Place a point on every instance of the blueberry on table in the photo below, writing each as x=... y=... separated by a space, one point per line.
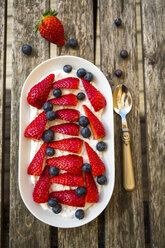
x=86 y=167
x=27 y=49
x=118 y=22
x=83 y=121
x=57 y=93
x=73 y=43
x=118 y=73
x=81 y=72
x=57 y=209
x=52 y=202
x=85 y=132
x=51 y=115
x=79 y=214
x=102 y=179
x=101 y=146
x=48 y=136
x=53 y=171
x=67 y=68
x=88 y=76
x=80 y=191
x=50 y=151
x=124 y=54
x=48 y=106
x=80 y=96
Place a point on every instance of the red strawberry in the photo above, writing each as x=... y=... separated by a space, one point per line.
x=70 y=145
x=68 y=197
x=41 y=189
x=68 y=180
x=96 y=125
x=38 y=94
x=69 y=99
x=35 y=167
x=71 y=163
x=67 y=83
x=92 y=194
x=71 y=115
x=66 y=128
x=97 y=164
x=95 y=97
x=51 y=28
x=35 y=129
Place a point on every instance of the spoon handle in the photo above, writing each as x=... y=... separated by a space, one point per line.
x=128 y=173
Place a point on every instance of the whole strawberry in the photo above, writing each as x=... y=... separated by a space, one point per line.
x=51 y=28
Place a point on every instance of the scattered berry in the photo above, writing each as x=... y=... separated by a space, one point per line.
x=101 y=146
x=49 y=151
x=67 y=68
x=47 y=106
x=81 y=72
x=27 y=49
x=83 y=121
x=88 y=76
x=86 y=167
x=48 y=136
x=80 y=96
x=51 y=115
x=54 y=171
x=118 y=22
x=73 y=43
x=57 y=209
x=57 y=93
x=124 y=54
x=52 y=202
x=81 y=191
x=79 y=214
x=118 y=73
x=85 y=132
x=102 y=179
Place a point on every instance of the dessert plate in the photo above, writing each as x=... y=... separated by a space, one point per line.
x=25 y=184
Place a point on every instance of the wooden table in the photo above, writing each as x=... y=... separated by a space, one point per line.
x=132 y=219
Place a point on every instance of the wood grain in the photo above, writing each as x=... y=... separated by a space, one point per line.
x=77 y=18
x=153 y=27
x=124 y=214
x=25 y=230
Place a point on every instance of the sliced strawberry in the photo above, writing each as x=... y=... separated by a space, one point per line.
x=69 y=100
x=92 y=194
x=35 y=167
x=96 y=125
x=95 y=97
x=66 y=128
x=67 y=83
x=35 y=129
x=68 y=180
x=69 y=198
x=71 y=163
x=71 y=115
x=70 y=145
x=38 y=94
x=41 y=189
x=97 y=164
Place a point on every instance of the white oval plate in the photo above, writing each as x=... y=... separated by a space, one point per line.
x=25 y=185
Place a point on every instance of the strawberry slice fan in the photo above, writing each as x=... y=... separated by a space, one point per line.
x=67 y=83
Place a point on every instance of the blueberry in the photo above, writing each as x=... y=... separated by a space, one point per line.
x=88 y=76
x=86 y=167
x=49 y=151
x=53 y=171
x=67 y=68
x=118 y=22
x=85 y=132
x=57 y=209
x=52 y=202
x=27 y=49
x=102 y=179
x=124 y=54
x=101 y=146
x=47 y=106
x=81 y=72
x=57 y=93
x=80 y=96
x=51 y=115
x=79 y=214
x=80 y=191
x=83 y=121
x=48 y=136
x=73 y=43
x=118 y=73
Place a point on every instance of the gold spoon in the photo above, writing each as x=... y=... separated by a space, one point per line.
x=122 y=104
